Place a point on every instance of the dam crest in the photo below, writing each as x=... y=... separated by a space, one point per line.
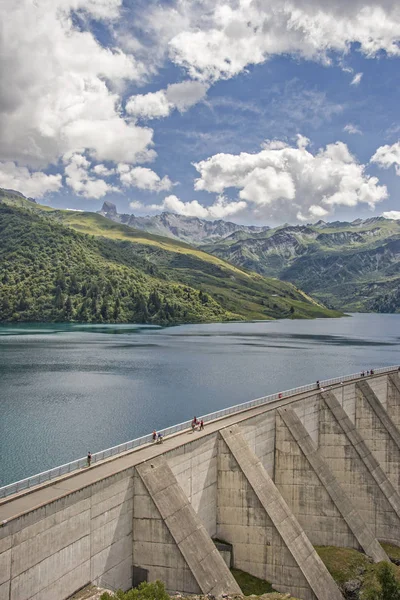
x=272 y=479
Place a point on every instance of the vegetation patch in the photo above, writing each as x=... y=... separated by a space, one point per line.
x=251 y=585
x=50 y=272
x=156 y=591
x=358 y=577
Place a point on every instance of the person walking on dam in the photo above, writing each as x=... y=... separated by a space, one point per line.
x=89 y=459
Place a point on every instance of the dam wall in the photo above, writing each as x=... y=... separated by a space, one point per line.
x=321 y=467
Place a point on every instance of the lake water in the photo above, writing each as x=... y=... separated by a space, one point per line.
x=67 y=389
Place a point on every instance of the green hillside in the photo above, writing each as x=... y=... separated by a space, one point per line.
x=349 y=266
x=71 y=266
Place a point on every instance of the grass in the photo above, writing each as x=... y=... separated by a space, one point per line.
x=391 y=550
x=251 y=585
x=94 y=224
x=345 y=564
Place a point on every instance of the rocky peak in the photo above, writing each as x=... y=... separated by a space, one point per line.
x=109 y=210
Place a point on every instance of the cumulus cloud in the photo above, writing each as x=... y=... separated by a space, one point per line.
x=214 y=39
x=387 y=156
x=78 y=178
x=356 y=79
x=102 y=171
x=220 y=209
x=56 y=101
x=392 y=214
x=159 y=104
x=31 y=184
x=352 y=129
x=143 y=178
x=283 y=182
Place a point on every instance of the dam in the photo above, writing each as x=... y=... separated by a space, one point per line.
x=270 y=479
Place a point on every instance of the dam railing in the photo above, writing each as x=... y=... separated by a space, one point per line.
x=80 y=463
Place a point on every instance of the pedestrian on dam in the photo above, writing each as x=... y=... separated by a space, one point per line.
x=89 y=459
x=154 y=435
x=201 y=425
x=318 y=384
x=194 y=423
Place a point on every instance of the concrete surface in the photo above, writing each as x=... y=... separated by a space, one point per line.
x=326 y=469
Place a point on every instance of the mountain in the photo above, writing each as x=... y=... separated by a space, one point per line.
x=59 y=265
x=349 y=266
x=188 y=229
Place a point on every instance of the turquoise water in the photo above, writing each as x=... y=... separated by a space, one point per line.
x=67 y=389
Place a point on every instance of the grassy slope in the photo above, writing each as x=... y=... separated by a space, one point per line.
x=233 y=292
x=345 y=564
x=51 y=273
x=351 y=274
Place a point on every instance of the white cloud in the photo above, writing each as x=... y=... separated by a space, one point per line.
x=282 y=182
x=77 y=177
x=159 y=104
x=102 y=171
x=356 y=79
x=214 y=39
x=220 y=209
x=392 y=214
x=136 y=205
x=31 y=184
x=352 y=129
x=143 y=178
x=57 y=102
x=387 y=156
x=148 y=106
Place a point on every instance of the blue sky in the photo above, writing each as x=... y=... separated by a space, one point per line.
x=238 y=109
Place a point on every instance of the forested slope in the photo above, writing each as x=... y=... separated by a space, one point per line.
x=51 y=272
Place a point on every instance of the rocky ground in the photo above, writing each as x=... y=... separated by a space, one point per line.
x=93 y=593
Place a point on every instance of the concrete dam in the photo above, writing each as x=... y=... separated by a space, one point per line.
x=311 y=468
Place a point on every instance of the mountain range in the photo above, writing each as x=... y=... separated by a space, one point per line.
x=352 y=266
x=188 y=229
x=61 y=265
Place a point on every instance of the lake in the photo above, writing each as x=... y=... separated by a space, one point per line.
x=67 y=389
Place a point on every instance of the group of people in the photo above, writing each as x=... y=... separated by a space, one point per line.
x=197 y=424
x=363 y=373
x=157 y=437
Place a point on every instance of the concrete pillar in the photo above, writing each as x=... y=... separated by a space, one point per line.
x=177 y=530
x=315 y=496
x=346 y=453
x=267 y=539
x=393 y=398
x=378 y=431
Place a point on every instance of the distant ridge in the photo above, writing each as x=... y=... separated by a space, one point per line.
x=188 y=229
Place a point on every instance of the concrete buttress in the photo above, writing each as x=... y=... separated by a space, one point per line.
x=267 y=539
x=186 y=533
x=393 y=398
x=378 y=431
x=343 y=448
x=338 y=523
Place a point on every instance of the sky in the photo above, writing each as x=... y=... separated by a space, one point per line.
x=254 y=111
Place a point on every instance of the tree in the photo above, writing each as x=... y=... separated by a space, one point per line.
x=68 y=307
x=116 y=309
x=390 y=587
x=104 y=310
x=145 y=591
